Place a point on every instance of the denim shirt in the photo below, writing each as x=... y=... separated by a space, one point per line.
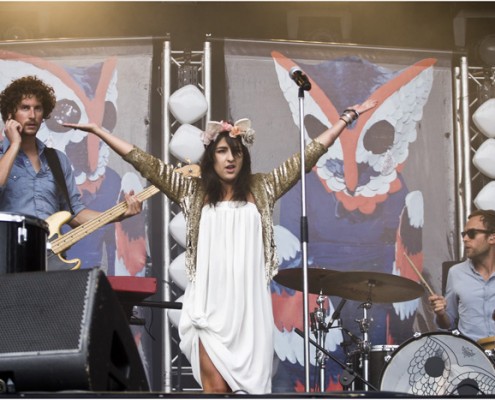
x=36 y=194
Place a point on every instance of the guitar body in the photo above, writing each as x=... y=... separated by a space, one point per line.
x=55 y=262
x=59 y=243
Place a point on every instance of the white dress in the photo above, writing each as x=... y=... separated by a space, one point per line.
x=228 y=306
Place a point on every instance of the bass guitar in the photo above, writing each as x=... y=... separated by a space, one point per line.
x=58 y=243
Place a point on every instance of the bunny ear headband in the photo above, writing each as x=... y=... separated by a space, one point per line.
x=240 y=128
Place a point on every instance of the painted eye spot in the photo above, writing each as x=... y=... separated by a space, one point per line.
x=379 y=138
x=65 y=111
x=109 y=117
x=313 y=126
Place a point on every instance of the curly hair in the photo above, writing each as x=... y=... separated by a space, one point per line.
x=28 y=86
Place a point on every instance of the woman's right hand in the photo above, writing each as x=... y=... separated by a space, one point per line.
x=119 y=145
x=88 y=127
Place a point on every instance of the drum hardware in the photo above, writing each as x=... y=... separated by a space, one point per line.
x=349 y=374
x=364 y=286
x=320 y=328
x=22 y=233
x=364 y=326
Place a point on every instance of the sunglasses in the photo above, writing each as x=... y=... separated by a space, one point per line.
x=471 y=233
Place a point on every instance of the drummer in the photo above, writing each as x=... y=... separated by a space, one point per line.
x=27 y=184
x=469 y=302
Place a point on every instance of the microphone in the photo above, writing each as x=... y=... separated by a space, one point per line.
x=300 y=78
x=336 y=313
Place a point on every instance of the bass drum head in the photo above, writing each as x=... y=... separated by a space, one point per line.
x=439 y=364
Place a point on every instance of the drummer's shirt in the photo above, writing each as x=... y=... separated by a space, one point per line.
x=470 y=301
x=29 y=193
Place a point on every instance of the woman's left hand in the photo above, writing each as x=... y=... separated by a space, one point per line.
x=365 y=106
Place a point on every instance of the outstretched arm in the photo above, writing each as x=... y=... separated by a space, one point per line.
x=120 y=146
x=330 y=135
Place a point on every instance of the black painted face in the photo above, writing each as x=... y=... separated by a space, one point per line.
x=68 y=111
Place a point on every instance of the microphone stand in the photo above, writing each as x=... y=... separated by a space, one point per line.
x=304 y=240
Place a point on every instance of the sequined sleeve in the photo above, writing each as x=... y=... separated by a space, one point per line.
x=282 y=178
x=162 y=175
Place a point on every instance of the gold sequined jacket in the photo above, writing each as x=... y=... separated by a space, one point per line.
x=189 y=194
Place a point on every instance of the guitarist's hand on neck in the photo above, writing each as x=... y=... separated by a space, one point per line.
x=134 y=206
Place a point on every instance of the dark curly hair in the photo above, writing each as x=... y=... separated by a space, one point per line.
x=209 y=178
x=27 y=86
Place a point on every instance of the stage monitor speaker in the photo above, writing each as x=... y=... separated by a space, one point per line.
x=64 y=331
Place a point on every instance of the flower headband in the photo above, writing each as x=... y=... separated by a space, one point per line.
x=240 y=128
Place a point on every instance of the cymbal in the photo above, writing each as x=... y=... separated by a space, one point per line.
x=376 y=287
x=293 y=278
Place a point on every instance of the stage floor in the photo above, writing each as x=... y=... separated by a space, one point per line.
x=199 y=396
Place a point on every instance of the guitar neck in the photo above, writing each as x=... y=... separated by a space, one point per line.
x=65 y=241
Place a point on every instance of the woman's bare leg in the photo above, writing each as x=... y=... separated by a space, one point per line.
x=210 y=377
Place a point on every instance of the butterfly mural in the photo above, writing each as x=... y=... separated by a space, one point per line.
x=362 y=216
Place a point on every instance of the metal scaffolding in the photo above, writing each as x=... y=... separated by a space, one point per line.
x=179 y=68
x=473 y=85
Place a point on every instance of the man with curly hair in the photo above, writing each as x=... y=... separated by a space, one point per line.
x=27 y=183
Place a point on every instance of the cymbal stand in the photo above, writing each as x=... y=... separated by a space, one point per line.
x=364 y=326
x=349 y=373
x=320 y=329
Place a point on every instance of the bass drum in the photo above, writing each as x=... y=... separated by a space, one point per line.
x=23 y=242
x=439 y=364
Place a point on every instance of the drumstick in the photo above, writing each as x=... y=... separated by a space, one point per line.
x=419 y=275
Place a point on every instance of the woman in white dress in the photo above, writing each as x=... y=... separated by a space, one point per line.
x=226 y=324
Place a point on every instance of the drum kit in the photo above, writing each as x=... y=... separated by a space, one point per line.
x=428 y=364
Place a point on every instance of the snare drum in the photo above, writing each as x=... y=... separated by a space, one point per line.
x=439 y=364
x=23 y=241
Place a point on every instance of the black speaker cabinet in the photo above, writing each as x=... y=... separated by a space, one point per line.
x=63 y=331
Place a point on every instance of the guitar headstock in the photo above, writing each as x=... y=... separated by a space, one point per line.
x=189 y=170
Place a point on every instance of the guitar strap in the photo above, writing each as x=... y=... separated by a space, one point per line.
x=54 y=163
